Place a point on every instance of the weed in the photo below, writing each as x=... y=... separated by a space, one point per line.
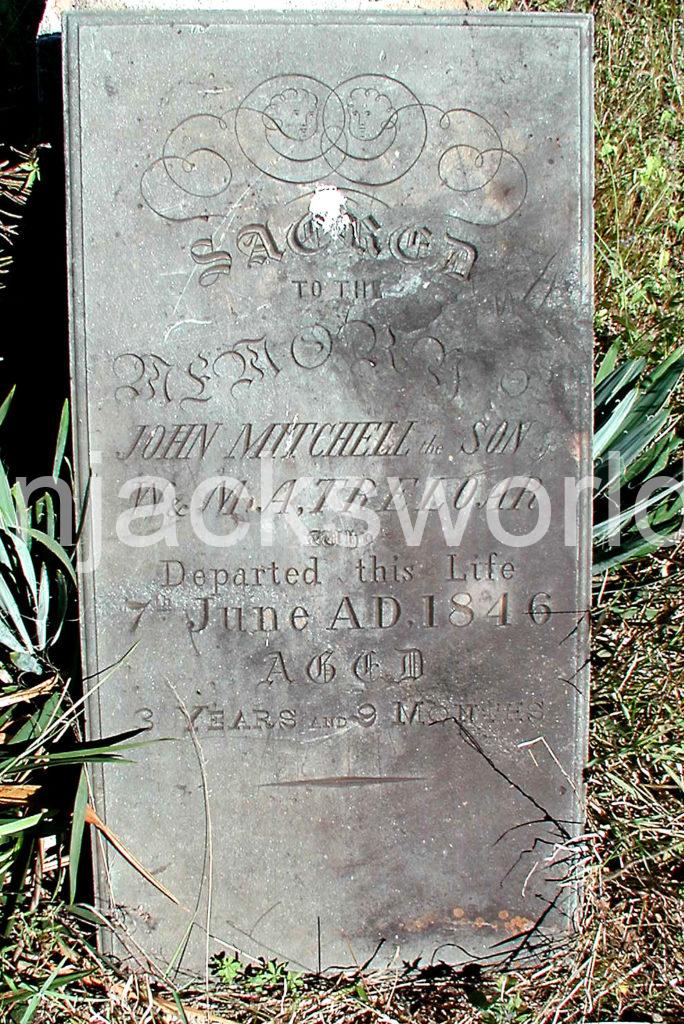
x=264 y=976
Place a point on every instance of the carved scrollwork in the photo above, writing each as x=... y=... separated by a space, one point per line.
x=368 y=130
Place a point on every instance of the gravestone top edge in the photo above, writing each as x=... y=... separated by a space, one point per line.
x=302 y=15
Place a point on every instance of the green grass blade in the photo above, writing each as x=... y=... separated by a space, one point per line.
x=59 y=606
x=62 y=436
x=8 y=513
x=42 y=993
x=4 y=408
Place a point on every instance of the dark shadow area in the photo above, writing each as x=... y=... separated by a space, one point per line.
x=33 y=302
x=34 y=344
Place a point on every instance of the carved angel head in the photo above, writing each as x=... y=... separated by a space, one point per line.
x=294 y=112
x=370 y=113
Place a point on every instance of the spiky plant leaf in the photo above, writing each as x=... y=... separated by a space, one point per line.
x=635 y=442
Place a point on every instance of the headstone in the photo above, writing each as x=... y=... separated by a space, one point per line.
x=331 y=307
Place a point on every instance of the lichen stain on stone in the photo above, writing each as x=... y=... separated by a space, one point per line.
x=577 y=444
x=422 y=924
x=505 y=922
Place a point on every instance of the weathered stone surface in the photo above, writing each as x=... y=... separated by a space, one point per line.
x=328 y=272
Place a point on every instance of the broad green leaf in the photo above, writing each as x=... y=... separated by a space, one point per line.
x=9 y=606
x=641 y=434
x=65 y=759
x=673 y=363
x=45 y=510
x=603 y=531
x=42 y=608
x=25 y=561
x=607 y=434
x=56 y=548
x=23 y=513
x=655 y=459
x=15 y=825
x=4 y=557
x=111 y=750
x=8 y=639
x=616 y=381
x=628 y=447
x=84 y=913
x=39 y=722
x=77 y=827
x=607 y=363
x=608 y=558
x=26 y=663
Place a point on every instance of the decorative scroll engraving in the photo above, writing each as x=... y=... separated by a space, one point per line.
x=368 y=130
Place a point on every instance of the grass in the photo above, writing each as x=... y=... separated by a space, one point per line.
x=640 y=174
x=627 y=961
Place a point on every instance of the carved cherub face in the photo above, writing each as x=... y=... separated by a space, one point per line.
x=370 y=113
x=295 y=112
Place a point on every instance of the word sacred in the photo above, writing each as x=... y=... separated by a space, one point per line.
x=308 y=236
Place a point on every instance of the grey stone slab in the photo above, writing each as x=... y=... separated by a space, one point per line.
x=331 y=290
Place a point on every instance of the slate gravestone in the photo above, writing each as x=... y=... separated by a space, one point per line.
x=331 y=308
